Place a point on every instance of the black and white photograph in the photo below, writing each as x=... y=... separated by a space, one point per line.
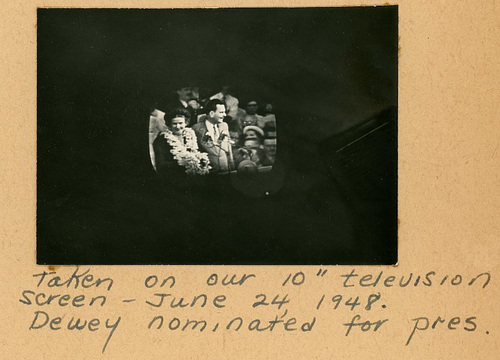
x=249 y=136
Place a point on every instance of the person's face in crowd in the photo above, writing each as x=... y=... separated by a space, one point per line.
x=252 y=144
x=219 y=114
x=178 y=124
x=251 y=134
x=252 y=108
x=268 y=109
x=185 y=94
x=270 y=147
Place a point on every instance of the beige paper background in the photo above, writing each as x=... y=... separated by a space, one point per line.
x=449 y=207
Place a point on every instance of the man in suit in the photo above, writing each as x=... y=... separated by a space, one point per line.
x=185 y=96
x=213 y=137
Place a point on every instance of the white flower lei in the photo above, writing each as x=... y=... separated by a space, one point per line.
x=186 y=152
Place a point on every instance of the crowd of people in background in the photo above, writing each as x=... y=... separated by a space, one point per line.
x=213 y=135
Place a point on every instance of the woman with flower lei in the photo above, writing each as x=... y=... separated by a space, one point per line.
x=176 y=148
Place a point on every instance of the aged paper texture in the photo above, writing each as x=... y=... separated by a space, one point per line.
x=438 y=302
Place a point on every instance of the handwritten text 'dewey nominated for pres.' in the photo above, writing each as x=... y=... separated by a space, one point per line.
x=53 y=292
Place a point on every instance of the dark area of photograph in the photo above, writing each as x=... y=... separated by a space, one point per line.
x=217 y=136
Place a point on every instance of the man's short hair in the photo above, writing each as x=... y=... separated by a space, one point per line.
x=177 y=112
x=212 y=105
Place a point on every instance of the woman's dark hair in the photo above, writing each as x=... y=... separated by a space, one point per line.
x=177 y=112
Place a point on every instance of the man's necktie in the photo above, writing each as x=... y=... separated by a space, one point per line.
x=216 y=133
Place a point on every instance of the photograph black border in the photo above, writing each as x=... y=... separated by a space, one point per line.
x=331 y=198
